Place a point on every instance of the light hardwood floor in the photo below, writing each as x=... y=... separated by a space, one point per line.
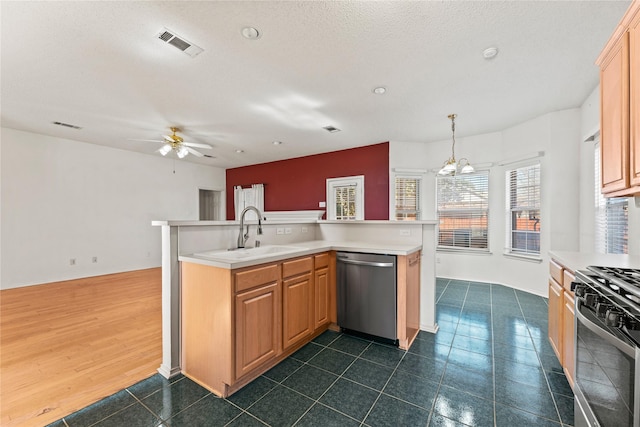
x=65 y=345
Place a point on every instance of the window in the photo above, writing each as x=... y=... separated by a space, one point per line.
x=611 y=222
x=345 y=198
x=407 y=197
x=463 y=211
x=523 y=210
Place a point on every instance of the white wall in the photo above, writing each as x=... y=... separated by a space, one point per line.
x=558 y=135
x=64 y=199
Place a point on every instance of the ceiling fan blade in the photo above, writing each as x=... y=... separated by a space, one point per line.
x=146 y=140
x=168 y=138
x=197 y=145
x=194 y=152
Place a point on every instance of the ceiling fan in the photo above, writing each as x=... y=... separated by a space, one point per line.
x=177 y=143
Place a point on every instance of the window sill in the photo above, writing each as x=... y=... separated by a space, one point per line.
x=522 y=257
x=463 y=251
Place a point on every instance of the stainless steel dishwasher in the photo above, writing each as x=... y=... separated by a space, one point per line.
x=366 y=294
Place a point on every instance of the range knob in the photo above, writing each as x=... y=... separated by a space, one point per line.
x=590 y=299
x=578 y=288
x=601 y=309
x=613 y=318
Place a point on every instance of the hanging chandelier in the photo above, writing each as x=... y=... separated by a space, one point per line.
x=451 y=166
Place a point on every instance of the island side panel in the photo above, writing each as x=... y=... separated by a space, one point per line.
x=207 y=326
x=170 y=303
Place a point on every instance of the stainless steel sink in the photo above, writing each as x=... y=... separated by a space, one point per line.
x=248 y=253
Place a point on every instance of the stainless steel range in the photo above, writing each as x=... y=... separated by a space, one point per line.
x=607 y=377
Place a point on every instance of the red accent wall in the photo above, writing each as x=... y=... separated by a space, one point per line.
x=300 y=183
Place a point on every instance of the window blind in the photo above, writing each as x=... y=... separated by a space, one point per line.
x=611 y=217
x=523 y=210
x=408 y=198
x=463 y=211
x=345 y=197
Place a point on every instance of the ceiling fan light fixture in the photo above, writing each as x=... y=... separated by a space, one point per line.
x=182 y=152
x=451 y=166
x=164 y=150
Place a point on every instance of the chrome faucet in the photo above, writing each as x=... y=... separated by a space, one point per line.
x=242 y=238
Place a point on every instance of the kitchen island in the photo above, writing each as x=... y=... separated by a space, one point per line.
x=247 y=310
x=182 y=239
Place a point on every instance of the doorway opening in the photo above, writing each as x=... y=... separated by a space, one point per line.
x=209 y=204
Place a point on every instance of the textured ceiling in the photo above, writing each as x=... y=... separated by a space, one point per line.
x=99 y=65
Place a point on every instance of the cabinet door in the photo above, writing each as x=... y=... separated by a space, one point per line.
x=634 y=105
x=556 y=303
x=297 y=310
x=568 y=362
x=321 y=297
x=614 y=117
x=257 y=327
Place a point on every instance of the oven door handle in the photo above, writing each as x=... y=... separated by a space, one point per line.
x=611 y=339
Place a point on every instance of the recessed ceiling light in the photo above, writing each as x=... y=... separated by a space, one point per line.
x=250 y=33
x=277 y=142
x=239 y=151
x=490 y=52
x=379 y=90
x=331 y=129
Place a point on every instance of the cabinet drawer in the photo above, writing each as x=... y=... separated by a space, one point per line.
x=321 y=260
x=298 y=266
x=568 y=277
x=556 y=271
x=256 y=277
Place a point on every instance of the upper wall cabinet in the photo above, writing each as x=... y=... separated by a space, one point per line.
x=619 y=65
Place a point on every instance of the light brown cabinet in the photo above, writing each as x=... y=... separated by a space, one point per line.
x=257 y=318
x=556 y=321
x=236 y=324
x=322 y=291
x=561 y=317
x=620 y=108
x=297 y=301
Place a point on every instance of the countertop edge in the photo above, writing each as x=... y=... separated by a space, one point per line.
x=309 y=248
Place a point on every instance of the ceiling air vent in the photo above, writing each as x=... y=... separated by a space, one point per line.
x=171 y=38
x=331 y=129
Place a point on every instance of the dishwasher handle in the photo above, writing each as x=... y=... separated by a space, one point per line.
x=365 y=263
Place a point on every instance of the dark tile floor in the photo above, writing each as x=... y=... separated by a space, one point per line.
x=490 y=364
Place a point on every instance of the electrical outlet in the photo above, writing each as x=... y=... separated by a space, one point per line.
x=94 y=259
x=72 y=261
x=322 y=204
x=287 y=230
x=279 y=230
x=437 y=260
x=405 y=232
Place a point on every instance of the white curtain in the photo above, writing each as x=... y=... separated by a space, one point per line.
x=244 y=197
x=238 y=200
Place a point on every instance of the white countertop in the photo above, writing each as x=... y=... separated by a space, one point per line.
x=190 y=223
x=581 y=260
x=306 y=248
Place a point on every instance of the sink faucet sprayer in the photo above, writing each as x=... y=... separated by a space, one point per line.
x=242 y=238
